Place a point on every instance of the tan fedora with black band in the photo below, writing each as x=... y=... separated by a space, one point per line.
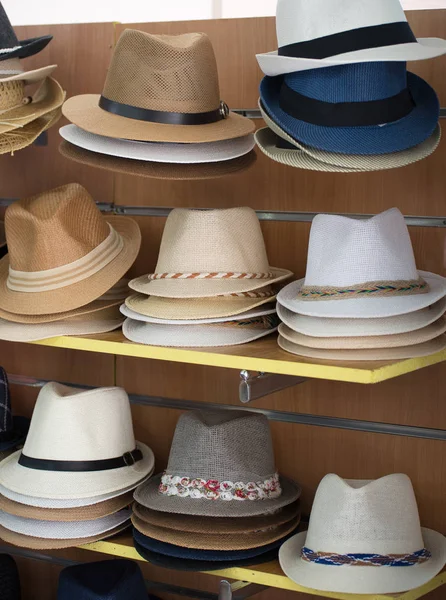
x=160 y=88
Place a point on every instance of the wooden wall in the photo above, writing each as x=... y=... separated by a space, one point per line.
x=303 y=452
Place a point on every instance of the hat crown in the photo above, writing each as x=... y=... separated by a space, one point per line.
x=6 y=422
x=226 y=446
x=228 y=240
x=73 y=424
x=164 y=72
x=345 y=251
x=8 y=38
x=54 y=228
x=365 y=516
x=302 y=21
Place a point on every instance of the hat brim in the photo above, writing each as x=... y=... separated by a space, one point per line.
x=84 y=112
x=420 y=336
x=171 y=172
x=81 y=293
x=328 y=327
x=361 y=580
x=400 y=135
x=347 y=163
x=88 y=309
x=65 y=515
x=19 y=332
x=35 y=543
x=380 y=354
x=272 y=64
x=30 y=77
x=67 y=485
x=17 y=139
x=20 y=431
x=191 y=336
x=364 y=308
x=184 y=564
x=192 y=309
x=26 y=48
x=148 y=495
x=158 y=152
x=204 y=288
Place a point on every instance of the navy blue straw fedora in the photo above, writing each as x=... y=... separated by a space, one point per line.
x=186 y=564
x=364 y=108
x=105 y=580
x=13 y=430
x=10 y=47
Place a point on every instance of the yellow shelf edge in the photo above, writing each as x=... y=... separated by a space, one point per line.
x=239 y=362
x=273 y=580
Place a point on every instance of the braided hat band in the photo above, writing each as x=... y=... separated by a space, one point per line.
x=155 y=276
x=369 y=289
x=366 y=560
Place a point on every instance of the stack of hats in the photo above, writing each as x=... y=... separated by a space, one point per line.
x=221 y=501
x=72 y=482
x=212 y=286
x=160 y=113
x=13 y=429
x=364 y=537
x=363 y=297
x=63 y=271
x=337 y=95
x=23 y=117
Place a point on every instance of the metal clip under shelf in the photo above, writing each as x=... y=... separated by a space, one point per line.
x=257 y=385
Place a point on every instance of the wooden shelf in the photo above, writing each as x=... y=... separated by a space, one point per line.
x=263 y=356
x=270 y=574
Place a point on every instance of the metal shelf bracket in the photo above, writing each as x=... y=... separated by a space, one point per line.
x=239 y=590
x=257 y=385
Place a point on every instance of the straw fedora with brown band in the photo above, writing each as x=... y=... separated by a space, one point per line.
x=63 y=253
x=210 y=253
x=160 y=88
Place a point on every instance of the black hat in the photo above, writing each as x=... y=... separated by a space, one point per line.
x=13 y=430
x=9 y=578
x=10 y=47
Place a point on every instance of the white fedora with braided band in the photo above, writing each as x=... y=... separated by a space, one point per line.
x=361 y=268
x=63 y=253
x=80 y=445
x=318 y=34
x=364 y=537
x=210 y=253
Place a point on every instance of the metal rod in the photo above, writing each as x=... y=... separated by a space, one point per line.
x=426 y=433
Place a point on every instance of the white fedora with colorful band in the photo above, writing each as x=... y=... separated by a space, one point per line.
x=364 y=537
x=318 y=34
x=361 y=268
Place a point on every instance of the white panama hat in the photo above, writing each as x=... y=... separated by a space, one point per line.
x=327 y=327
x=207 y=152
x=318 y=34
x=80 y=444
x=364 y=537
x=361 y=268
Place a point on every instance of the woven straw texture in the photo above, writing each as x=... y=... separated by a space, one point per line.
x=215 y=541
x=11 y=94
x=9 y=578
x=36 y=543
x=222 y=525
x=48 y=97
x=17 y=139
x=416 y=351
x=165 y=73
x=81 y=513
x=360 y=343
x=193 y=308
x=190 y=336
x=326 y=327
x=56 y=228
x=223 y=241
x=173 y=172
x=348 y=162
x=226 y=446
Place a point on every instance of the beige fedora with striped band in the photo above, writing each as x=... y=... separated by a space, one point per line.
x=63 y=253
x=207 y=253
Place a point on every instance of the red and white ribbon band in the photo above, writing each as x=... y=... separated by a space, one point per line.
x=216 y=275
x=66 y=275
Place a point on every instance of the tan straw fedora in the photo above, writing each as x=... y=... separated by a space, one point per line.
x=22 y=137
x=207 y=253
x=364 y=342
x=81 y=513
x=152 y=170
x=215 y=541
x=160 y=88
x=63 y=253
